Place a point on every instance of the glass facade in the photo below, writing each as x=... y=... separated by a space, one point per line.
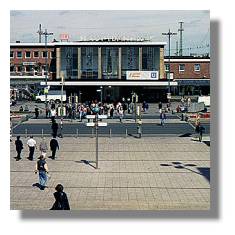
x=109 y=62
x=89 y=62
x=130 y=59
x=104 y=61
x=69 y=62
x=150 y=58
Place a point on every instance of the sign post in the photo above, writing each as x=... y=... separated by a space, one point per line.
x=96 y=124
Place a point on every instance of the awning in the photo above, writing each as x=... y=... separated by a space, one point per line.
x=193 y=82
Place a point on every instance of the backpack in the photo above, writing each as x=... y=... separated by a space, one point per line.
x=41 y=165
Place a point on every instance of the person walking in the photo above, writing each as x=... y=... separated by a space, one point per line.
x=36 y=111
x=54 y=127
x=43 y=147
x=120 y=113
x=32 y=145
x=163 y=118
x=61 y=199
x=54 y=145
x=42 y=169
x=19 y=147
x=53 y=114
x=160 y=107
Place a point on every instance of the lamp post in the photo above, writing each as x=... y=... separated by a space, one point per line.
x=101 y=94
x=169 y=34
x=61 y=104
x=46 y=62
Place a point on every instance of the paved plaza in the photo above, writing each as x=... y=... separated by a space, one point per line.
x=151 y=173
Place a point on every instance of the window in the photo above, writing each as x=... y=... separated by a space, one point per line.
x=19 y=54
x=182 y=67
x=44 y=54
x=197 y=67
x=19 y=69
x=52 y=54
x=12 y=68
x=11 y=54
x=167 y=67
x=27 y=54
x=35 y=54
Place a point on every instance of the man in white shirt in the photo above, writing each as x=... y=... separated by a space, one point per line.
x=32 y=145
x=53 y=114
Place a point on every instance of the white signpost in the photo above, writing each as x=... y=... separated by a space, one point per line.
x=96 y=123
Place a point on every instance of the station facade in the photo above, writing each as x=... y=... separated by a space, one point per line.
x=119 y=68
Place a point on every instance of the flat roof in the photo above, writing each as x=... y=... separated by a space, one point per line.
x=57 y=44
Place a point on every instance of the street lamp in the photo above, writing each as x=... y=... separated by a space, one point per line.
x=46 y=61
x=61 y=104
x=169 y=34
x=100 y=91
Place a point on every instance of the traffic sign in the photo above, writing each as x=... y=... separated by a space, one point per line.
x=102 y=116
x=90 y=124
x=102 y=124
x=90 y=116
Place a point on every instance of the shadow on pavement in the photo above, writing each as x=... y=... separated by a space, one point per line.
x=86 y=163
x=205 y=171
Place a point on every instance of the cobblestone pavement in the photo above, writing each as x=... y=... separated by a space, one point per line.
x=152 y=173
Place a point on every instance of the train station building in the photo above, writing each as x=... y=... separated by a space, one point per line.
x=116 y=67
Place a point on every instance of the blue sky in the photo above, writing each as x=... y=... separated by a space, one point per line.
x=131 y=24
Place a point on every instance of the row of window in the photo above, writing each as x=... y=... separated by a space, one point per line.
x=29 y=54
x=197 y=67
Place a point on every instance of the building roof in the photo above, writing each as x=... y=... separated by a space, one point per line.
x=89 y=43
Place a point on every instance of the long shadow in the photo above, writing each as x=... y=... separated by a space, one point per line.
x=86 y=162
x=186 y=135
x=205 y=171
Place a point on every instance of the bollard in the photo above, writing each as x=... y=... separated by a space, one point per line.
x=110 y=133
x=92 y=132
x=42 y=133
x=126 y=133
x=26 y=133
x=76 y=133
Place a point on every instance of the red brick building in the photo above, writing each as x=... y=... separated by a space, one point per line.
x=191 y=73
x=28 y=61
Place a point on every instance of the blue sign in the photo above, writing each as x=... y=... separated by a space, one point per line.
x=153 y=75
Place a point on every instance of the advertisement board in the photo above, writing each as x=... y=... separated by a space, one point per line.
x=142 y=75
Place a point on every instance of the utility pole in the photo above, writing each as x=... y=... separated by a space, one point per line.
x=181 y=38
x=40 y=32
x=177 y=49
x=46 y=62
x=169 y=34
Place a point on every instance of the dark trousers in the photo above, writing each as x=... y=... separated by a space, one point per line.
x=54 y=132
x=31 y=152
x=53 y=153
x=18 y=153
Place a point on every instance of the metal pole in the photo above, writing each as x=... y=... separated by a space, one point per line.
x=26 y=133
x=77 y=133
x=61 y=104
x=110 y=132
x=126 y=133
x=46 y=67
x=96 y=132
x=42 y=133
x=169 y=75
x=46 y=61
x=101 y=94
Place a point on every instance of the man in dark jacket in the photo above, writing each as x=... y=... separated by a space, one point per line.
x=19 y=147
x=36 y=112
x=54 y=127
x=54 y=146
